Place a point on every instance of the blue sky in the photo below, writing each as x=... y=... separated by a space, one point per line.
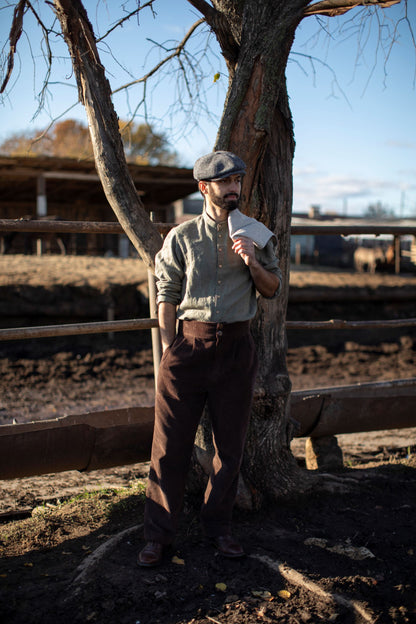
x=354 y=117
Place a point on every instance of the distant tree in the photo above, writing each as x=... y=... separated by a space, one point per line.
x=71 y=139
x=378 y=211
x=143 y=146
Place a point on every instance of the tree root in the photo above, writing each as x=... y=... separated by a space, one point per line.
x=84 y=569
x=296 y=578
x=340 y=483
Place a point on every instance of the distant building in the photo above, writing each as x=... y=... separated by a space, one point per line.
x=70 y=190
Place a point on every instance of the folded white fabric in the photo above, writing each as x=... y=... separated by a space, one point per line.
x=240 y=224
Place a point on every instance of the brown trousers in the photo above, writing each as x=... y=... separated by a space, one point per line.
x=213 y=363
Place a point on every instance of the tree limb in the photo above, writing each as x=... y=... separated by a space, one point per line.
x=95 y=94
x=206 y=9
x=15 y=33
x=218 y=23
x=331 y=8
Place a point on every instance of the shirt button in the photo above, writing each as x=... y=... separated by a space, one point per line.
x=219 y=333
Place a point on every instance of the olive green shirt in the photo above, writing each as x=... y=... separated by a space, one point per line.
x=197 y=271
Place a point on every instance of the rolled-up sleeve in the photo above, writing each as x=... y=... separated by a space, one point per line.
x=268 y=259
x=169 y=271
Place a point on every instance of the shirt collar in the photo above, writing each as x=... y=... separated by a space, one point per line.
x=211 y=222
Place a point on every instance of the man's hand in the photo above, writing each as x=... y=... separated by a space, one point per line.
x=167 y=323
x=244 y=247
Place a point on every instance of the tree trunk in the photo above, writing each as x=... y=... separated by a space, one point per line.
x=95 y=94
x=257 y=125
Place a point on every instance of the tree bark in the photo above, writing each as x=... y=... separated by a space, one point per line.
x=95 y=94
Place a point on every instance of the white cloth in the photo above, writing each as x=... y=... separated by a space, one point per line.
x=240 y=224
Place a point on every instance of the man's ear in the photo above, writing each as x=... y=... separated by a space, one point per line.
x=203 y=187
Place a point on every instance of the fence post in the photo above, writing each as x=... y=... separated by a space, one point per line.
x=156 y=342
x=397 y=254
x=41 y=207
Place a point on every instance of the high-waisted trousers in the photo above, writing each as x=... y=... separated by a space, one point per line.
x=213 y=364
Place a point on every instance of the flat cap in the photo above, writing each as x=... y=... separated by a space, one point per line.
x=218 y=165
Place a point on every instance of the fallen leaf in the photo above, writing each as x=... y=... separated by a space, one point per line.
x=220 y=587
x=266 y=595
x=283 y=593
x=177 y=560
x=28 y=565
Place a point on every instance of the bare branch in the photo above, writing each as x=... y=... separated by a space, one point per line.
x=126 y=18
x=176 y=53
x=15 y=33
x=331 y=8
x=49 y=57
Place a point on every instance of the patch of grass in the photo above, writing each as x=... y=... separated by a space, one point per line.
x=53 y=524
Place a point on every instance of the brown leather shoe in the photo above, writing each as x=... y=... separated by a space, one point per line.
x=151 y=555
x=228 y=546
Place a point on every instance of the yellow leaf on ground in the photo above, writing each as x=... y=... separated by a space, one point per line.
x=283 y=593
x=220 y=586
x=177 y=560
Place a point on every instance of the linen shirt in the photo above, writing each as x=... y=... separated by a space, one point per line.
x=197 y=271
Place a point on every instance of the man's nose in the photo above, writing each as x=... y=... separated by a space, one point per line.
x=234 y=187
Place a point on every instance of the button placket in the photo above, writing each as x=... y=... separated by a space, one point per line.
x=220 y=242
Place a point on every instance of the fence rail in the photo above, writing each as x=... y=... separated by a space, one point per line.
x=110 y=227
x=78 y=329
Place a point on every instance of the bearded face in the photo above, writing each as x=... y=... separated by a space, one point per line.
x=224 y=194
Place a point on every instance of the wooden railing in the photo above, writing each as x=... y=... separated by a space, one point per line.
x=117 y=437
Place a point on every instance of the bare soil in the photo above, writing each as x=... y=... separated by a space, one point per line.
x=343 y=553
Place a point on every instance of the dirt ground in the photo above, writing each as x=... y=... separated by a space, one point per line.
x=343 y=553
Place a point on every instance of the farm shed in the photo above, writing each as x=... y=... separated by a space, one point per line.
x=70 y=190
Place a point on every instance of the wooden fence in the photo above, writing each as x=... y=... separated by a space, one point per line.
x=116 y=437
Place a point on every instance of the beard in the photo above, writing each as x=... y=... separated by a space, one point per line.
x=229 y=202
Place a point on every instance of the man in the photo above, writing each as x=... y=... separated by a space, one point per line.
x=206 y=280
